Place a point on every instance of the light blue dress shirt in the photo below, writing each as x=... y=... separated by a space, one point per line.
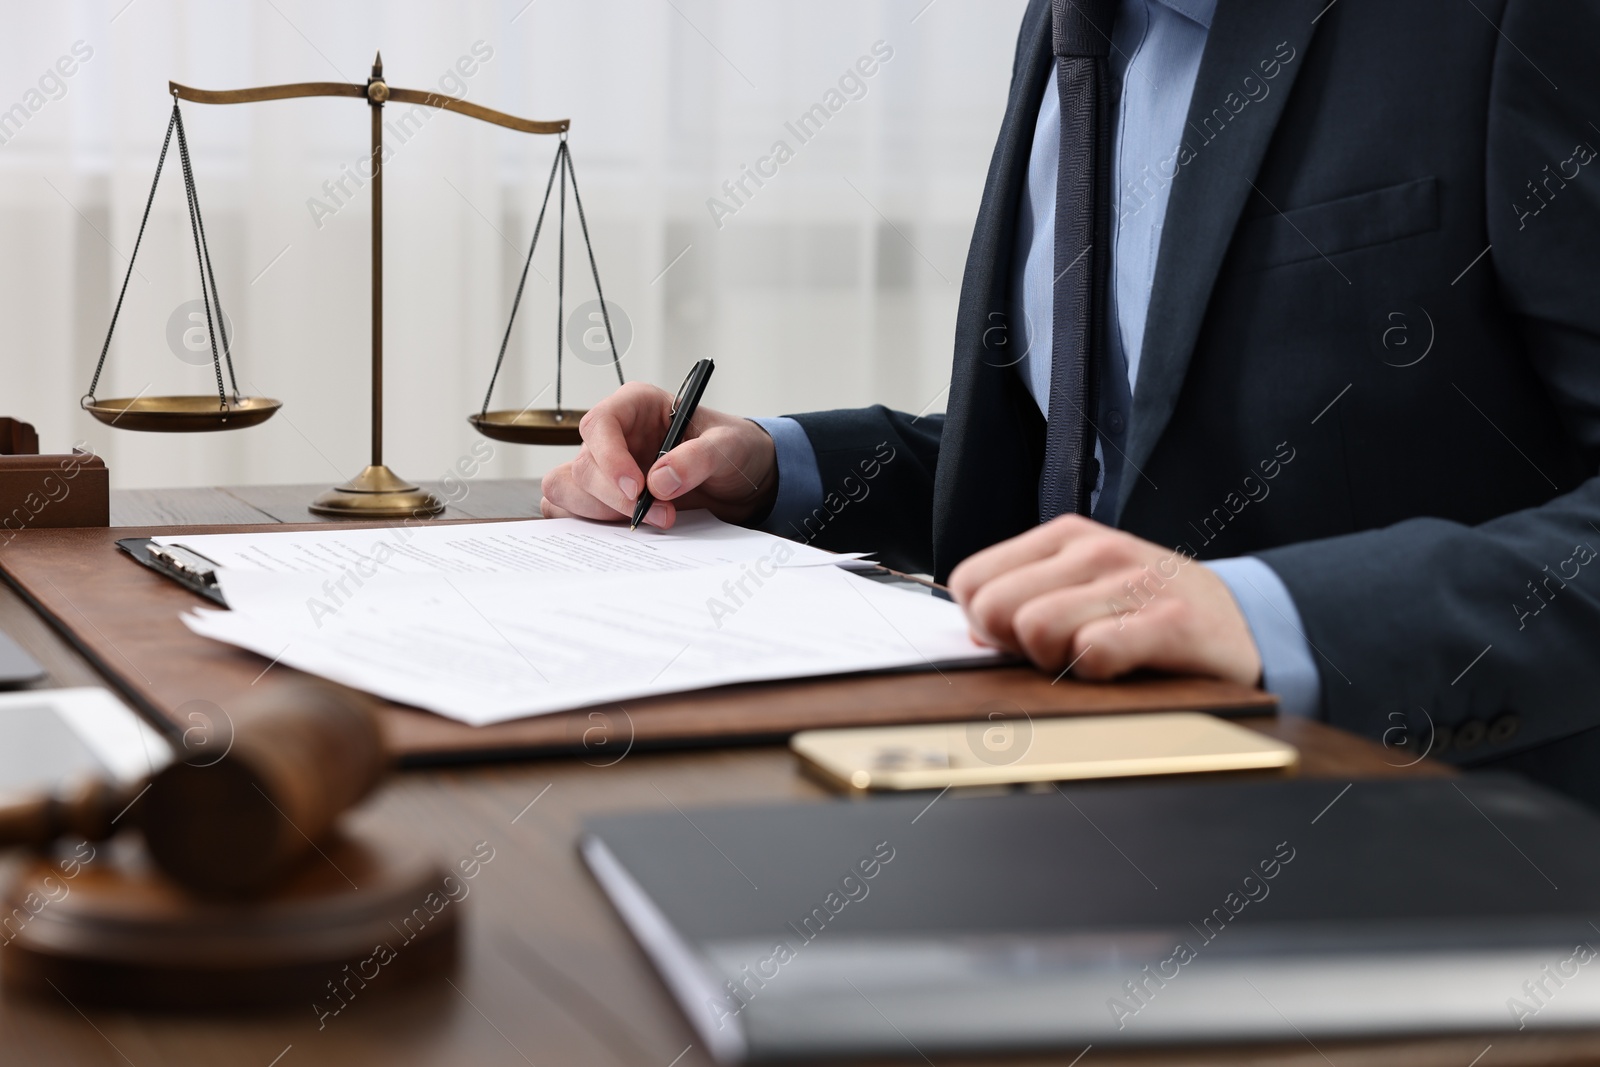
x=1155 y=54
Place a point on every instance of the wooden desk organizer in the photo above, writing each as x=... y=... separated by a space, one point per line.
x=48 y=492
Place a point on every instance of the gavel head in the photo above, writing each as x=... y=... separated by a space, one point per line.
x=295 y=757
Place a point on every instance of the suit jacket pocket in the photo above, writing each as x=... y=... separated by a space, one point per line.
x=1336 y=226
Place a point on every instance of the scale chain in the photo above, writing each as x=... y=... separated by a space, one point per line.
x=562 y=165
x=561 y=272
x=99 y=367
x=216 y=296
x=517 y=302
x=200 y=258
x=605 y=312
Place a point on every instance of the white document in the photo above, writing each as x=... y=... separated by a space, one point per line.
x=484 y=648
x=537 y=546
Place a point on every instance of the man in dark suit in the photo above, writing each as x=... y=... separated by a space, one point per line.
x=1315 y=404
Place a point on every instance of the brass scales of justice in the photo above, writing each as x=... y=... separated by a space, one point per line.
x=377 y=492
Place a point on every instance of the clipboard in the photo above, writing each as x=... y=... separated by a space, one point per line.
x=183 y=565
x=125 y=620
x=196 y=573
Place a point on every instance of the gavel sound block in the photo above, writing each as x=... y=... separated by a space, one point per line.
x=244 y=892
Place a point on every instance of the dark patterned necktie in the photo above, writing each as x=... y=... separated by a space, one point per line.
x=1081 y=32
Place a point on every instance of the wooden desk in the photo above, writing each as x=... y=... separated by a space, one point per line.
x=549 y=976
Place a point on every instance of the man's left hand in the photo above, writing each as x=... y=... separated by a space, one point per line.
x=1075 y=593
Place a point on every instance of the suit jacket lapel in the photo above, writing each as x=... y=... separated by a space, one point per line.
x=1209 y=193
x=986 y=484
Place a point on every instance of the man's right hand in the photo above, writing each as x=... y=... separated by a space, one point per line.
x=726 y=464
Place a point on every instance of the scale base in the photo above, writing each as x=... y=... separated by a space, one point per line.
x=377 y=493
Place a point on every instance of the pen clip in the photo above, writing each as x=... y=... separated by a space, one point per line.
x=677 y=401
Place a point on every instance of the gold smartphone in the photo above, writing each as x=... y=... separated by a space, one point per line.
x=1011 y=750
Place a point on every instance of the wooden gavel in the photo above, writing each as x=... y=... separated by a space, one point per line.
x=299 y=756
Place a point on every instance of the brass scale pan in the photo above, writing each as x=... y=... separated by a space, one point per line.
x=560 y=426
x=181 y=414
x=199 y=414
x=528 y=427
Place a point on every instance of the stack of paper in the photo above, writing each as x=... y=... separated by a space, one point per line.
x=495 y=621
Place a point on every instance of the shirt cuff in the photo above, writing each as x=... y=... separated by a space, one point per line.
x=1288 y=668
x=799 y=477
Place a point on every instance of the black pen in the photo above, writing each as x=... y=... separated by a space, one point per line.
x=683 y=409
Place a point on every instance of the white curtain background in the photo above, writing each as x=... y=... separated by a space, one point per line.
x=832 y=284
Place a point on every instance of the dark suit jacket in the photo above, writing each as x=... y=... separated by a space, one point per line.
x=1323 y=293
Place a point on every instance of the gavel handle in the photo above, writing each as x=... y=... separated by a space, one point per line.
x=93 y=809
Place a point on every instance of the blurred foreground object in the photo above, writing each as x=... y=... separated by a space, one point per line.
x=245 y=891
x=238 y=819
